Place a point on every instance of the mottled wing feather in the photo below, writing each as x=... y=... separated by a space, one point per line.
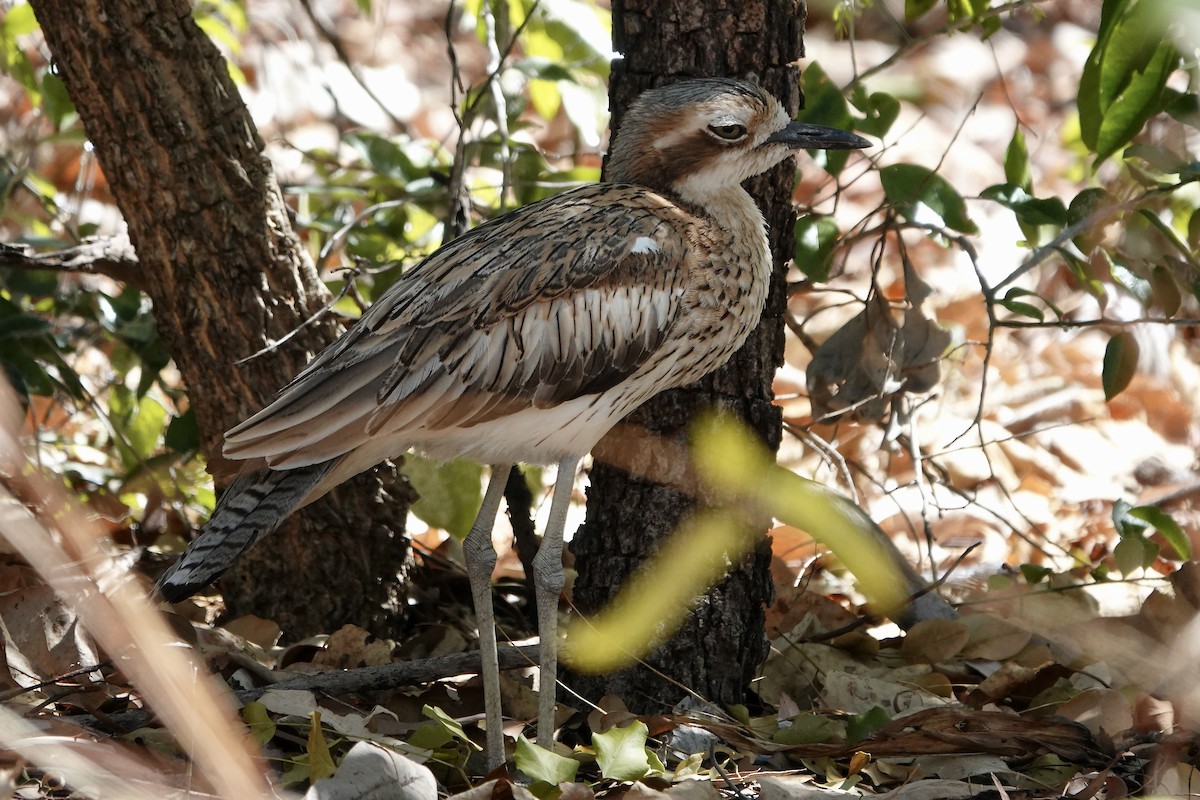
x=501 y=319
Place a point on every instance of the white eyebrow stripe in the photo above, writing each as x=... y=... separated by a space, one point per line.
x=644 y=244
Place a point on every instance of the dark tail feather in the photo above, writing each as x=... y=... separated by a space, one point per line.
x=254 y=505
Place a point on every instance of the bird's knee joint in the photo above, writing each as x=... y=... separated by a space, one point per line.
x=548 y=575
x=479 y=552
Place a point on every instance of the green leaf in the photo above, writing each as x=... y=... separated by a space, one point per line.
x=815 y=238
x=1120 y=364
x=917 y=8
x=990 y=25
x=1034 y=573
x=1134 y=552
x=860 y=726
x=1169 y=234
x=1015 y=292
x=1088 y=274
x=183 y=434
x=880 y=109
x=258 y=720
x=1125 y=75
x=1184 y=107
x=1016 y=161
x=1089 y=202
x=545 y=98
x=1019 y=307
x=807 y=729
x=447 y=722
x=55 y=101
x=1029 y=210
x=23 y=326
x=1166 y=290
x=450 y=493
x=146 y=427
x=539 y=764
x=320 y=760
x=1133 y=283
x=824 y=104
x=921 y=195
x=430 y=736
x=621 y=753
x=18 y=20
x=384 y=156
x=960 y=9
x=1167 y=527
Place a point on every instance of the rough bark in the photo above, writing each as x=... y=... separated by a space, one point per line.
x=722 y=643
x=227 y=276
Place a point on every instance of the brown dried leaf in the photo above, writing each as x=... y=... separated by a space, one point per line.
x=1099 y=709
x=858 y=694
x=931 y=641
x=263 y=632
x=876 y=355
x=352 y=646
x=42 y=636
x=993 y=638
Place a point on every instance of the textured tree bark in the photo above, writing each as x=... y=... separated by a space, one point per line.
x=228 y=277
x=722 y=643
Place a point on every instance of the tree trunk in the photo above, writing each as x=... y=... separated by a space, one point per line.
x=722 y=643
x=228 y=277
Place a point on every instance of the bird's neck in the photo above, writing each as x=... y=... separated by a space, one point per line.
x=730 y=209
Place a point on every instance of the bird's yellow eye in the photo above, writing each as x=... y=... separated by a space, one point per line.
x=728 y=132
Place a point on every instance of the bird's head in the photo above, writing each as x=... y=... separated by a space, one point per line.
x=698 y=138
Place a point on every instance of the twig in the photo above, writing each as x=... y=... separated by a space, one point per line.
x=330 y=36
x=353 y=681
x=912 y=44
x=457 y=203
x=456 y=218
x=1091 y=323
x=495 y=63
x=113 y=257
x=314 y=317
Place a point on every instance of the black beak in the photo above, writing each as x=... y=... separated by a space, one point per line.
x=802 y=136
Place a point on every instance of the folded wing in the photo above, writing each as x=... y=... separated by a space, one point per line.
x=502 y=319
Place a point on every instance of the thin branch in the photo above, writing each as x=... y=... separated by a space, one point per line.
x=457 y=203
x=495 y=64
x=330 y=36
x=113 y=257
x=953 y=27
x=1065 y=324
x=355 y=681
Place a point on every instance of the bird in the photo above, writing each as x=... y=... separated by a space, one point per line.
x=528 y=338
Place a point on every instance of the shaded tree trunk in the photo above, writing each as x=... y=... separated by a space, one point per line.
x=722 y=643
x=228 y=277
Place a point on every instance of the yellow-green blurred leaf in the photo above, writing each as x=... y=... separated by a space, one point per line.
x=449 y=492
x=320 y=760
x=258 y=720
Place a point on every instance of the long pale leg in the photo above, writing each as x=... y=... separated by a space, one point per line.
x=480 y=558
x=548 y=579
